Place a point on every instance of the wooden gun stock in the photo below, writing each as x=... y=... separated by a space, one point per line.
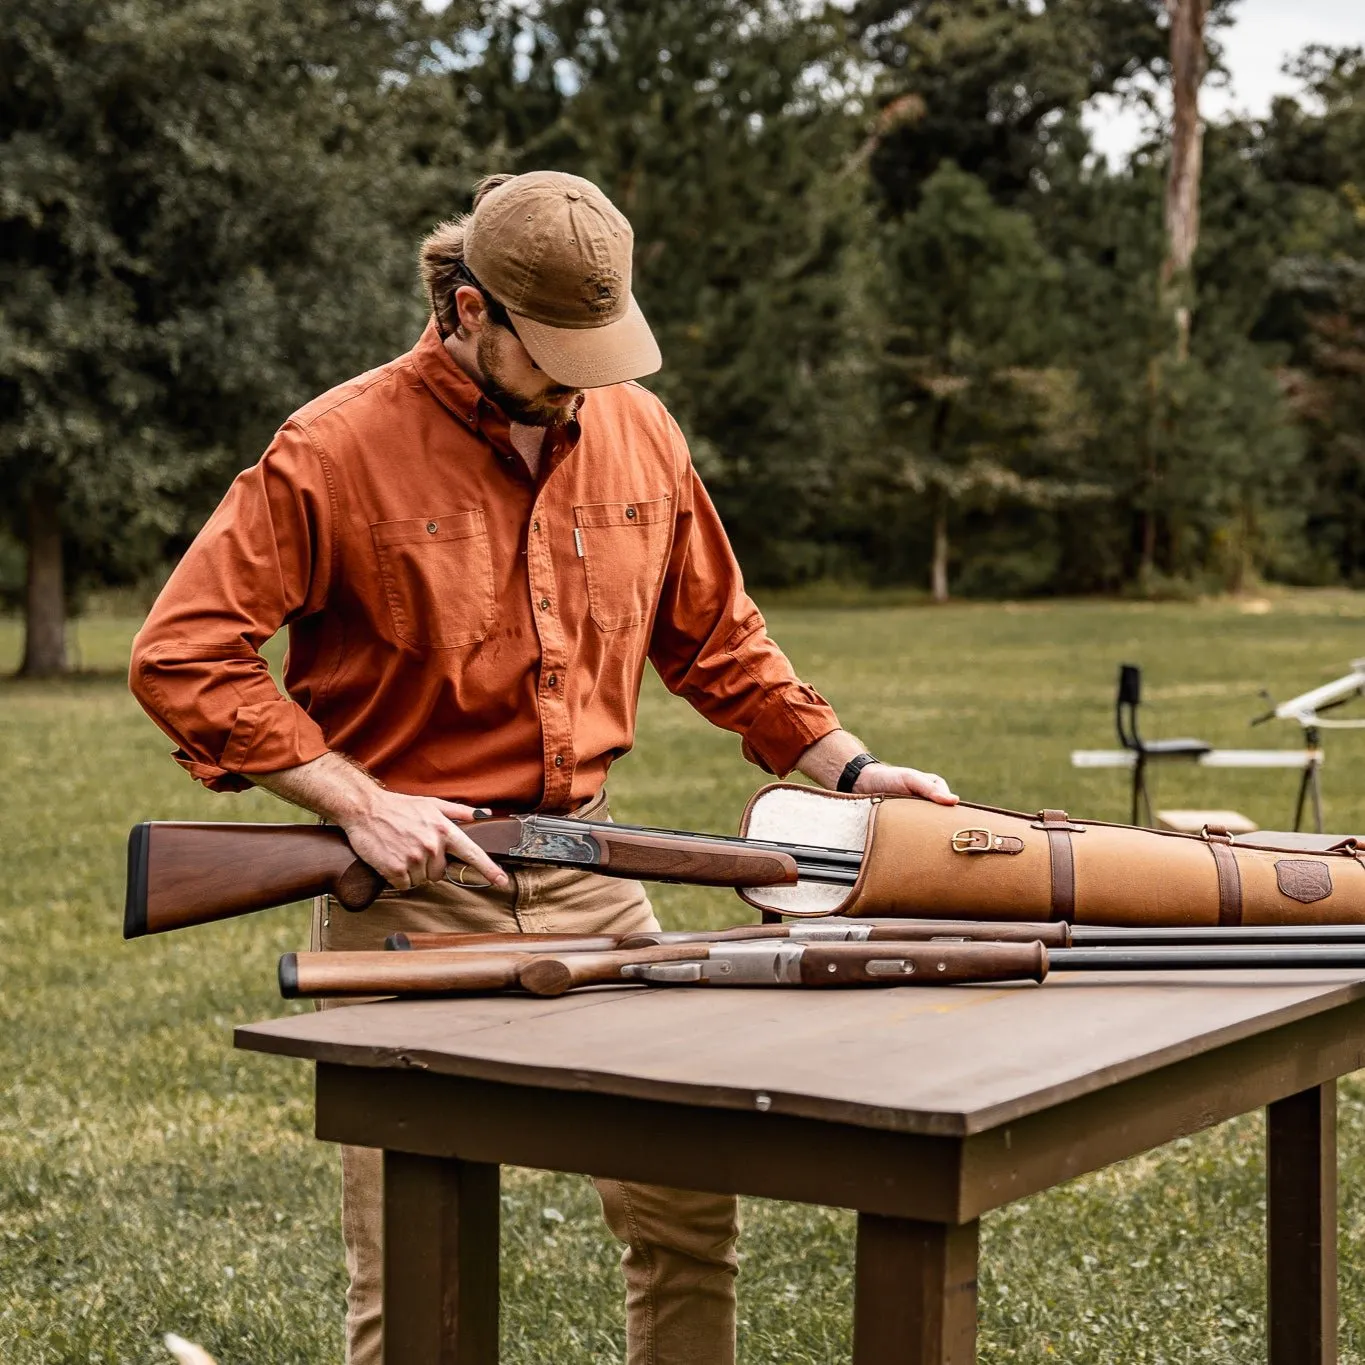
x=361 y=974
x=182 y=873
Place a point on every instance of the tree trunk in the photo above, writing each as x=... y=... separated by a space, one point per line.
x=938 y=574
x=1151 y=474
x=1189 y=61
x=45 y=596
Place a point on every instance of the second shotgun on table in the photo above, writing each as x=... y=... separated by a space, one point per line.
x=779 y=962
x=182 y=872
x=1051 y=934
x=1055 y=935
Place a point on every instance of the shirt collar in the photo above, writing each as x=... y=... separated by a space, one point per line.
x=456 y=390
x=468 y=402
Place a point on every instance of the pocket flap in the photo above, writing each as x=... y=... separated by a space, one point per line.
x=622 y=513
x=435 y=528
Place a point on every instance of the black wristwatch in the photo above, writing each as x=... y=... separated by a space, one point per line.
x=852 y=768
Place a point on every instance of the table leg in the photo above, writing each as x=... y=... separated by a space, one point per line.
x=915 y=1293
x=440 y=1261
x=1301 y=1226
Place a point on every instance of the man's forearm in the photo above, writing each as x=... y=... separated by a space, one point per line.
x=330 y=786
x=826 y=759
x=406 y=839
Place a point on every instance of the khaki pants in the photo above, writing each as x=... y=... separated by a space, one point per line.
x=679 y=1259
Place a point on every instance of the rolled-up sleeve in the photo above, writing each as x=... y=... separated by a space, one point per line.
x=711 y=644
x=262 y=560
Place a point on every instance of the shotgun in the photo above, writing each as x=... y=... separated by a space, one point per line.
x=438 y=972
x=182 y=873
x=779 y=962
x=1057 y=934
x=1051 y=934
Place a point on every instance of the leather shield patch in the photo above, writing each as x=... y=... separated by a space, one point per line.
x=1304 y=880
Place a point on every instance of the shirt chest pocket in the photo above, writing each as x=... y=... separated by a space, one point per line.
x=624 y=546
x=437 y=575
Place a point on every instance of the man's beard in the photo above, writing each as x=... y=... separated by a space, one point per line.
x=528 y=412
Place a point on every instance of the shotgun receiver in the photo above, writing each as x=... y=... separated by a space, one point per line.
x=182 y=873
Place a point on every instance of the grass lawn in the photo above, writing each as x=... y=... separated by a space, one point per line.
x=152 y=1179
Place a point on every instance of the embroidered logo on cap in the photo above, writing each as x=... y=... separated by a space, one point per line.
x=602 y=291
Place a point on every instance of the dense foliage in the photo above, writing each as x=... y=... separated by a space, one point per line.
x=911 y=323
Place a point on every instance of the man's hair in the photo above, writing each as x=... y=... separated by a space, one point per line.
x=442 y=256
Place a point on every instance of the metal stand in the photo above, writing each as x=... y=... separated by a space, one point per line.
x=1309 y=783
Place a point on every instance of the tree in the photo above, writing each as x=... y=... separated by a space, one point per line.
x=971 y=413
x=995 y=86
x=197 y=211
x=1310 y=153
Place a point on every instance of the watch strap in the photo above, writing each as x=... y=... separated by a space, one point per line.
x=852 y=768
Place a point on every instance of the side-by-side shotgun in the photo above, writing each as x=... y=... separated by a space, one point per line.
x=1050 y=933
x=183 y=873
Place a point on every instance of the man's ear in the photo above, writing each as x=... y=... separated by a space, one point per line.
x=470 y=310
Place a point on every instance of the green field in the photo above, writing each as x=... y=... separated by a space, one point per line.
x=152 y=1179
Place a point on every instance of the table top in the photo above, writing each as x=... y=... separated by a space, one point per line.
x=945 y=1061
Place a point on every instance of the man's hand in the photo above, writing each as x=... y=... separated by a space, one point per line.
x=406 y=839
x=888 y=780
x=826 y=759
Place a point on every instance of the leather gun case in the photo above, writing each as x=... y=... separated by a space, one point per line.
x=969 y=861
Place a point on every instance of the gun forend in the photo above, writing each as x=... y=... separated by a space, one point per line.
x=182 y=873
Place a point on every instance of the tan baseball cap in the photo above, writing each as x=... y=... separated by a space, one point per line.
x=556 y=253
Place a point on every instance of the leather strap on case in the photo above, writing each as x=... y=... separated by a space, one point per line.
x=1219 y=841
x=1351 y=847
x=1057 y=825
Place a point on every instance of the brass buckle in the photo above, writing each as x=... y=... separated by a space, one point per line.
x=973 y=841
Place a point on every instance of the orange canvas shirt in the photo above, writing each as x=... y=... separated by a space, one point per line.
x=462 y=630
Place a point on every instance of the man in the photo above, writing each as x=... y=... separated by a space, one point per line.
x=476 y=548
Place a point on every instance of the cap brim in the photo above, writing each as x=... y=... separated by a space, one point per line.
x=591 y=357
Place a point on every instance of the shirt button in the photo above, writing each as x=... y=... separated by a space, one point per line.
x=432 y=527
x=559 y=760
x=535 y=526
x=551 y=680
x=545 y=604
x=630 y=513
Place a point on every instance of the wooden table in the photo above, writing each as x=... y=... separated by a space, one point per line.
x=921 y=1108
